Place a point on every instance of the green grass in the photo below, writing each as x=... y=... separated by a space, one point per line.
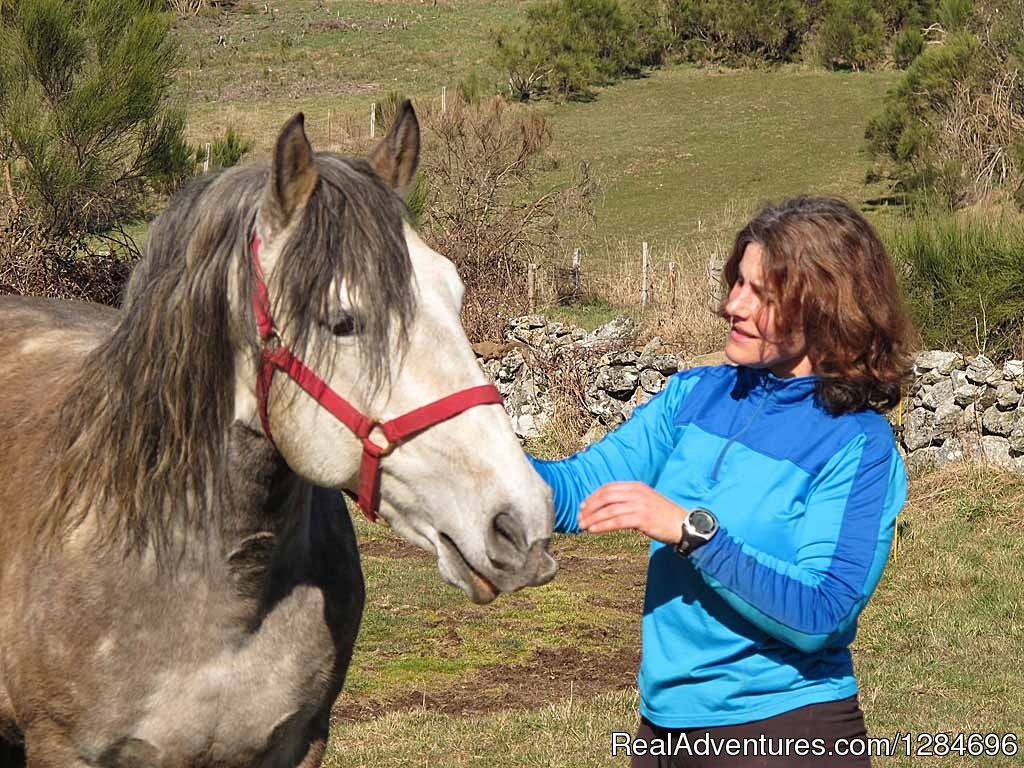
x=939 y=648
x=686 y=155
x=254 y=69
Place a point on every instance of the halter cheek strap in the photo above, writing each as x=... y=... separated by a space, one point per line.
x=275 y=356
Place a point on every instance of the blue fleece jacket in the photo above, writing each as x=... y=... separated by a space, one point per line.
x=757 y=621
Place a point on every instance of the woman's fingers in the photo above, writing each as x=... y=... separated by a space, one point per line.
x=620 y=505
x=613 y=517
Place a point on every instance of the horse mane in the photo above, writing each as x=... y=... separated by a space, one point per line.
x=143 y=432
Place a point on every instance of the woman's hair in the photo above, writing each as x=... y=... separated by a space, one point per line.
x=827 y=274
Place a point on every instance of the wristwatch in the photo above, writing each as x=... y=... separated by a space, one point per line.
x=699 y=526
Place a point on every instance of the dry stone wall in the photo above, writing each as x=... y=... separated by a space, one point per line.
x=955 y=409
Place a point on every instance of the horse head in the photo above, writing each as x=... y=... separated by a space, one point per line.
x=369 y=314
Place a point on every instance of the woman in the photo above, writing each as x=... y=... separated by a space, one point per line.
x=769 y=490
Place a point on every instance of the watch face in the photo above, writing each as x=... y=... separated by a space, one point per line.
x=702 y=521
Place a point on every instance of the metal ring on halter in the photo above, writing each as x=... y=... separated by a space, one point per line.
x=373 y=448
x=272 y=341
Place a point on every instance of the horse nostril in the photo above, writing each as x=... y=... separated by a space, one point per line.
x=506 y=542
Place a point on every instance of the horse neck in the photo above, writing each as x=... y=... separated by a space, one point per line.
x=266 y=496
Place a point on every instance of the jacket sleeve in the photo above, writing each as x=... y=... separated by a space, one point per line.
x=811 y=602
x=637 y=450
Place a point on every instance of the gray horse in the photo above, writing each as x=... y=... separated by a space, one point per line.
x=175 y=590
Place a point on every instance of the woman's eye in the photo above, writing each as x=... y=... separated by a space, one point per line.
x=343 y=325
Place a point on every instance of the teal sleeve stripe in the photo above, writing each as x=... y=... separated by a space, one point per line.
x=637 y=450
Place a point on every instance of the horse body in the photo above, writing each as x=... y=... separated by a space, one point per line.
x=177 y=587
x=260 y=634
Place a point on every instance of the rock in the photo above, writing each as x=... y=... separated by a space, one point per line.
x=666 y=365
x=621 y=328
x=951 y=450
x=919 y=429
x=1013 y=369
x=1007 y=396
x=623 y=357
x=525 y=425
x=996 y=450
x=1017 y=437
x=986 y=398
x=936 y=395
x=651 y=347
x=983 y=371
x=965 y=394
x=998 y=422
x=923 y=460
x=943 y=362
x=619 y=381
x=651 y=381
x=931 y=377
x=529 y=321
x=607 y=409
x=948 y=417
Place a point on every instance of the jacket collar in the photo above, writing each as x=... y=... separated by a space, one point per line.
x=782 y=391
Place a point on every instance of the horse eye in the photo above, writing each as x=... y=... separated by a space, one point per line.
x=342 y=325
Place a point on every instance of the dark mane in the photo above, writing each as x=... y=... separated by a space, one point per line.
x=144 y=429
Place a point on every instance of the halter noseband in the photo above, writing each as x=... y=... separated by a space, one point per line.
x=274 y=356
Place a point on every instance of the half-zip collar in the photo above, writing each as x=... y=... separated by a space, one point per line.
x=751 y=382
x=770 y=390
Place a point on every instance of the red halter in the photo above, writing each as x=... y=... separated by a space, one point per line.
x=276 y=356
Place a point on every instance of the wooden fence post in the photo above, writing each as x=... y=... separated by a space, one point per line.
x=373 y=119
x=531 y=285
x=577 y=272
x=206 y=162
x=672 y=284
x=444 y=98
x=645 y=282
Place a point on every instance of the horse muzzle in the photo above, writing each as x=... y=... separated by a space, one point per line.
x=506 y=567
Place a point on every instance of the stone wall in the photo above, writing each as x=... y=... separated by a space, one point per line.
x=956 y=408
x=959 y=408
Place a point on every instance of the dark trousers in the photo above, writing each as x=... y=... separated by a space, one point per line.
x=826 y=723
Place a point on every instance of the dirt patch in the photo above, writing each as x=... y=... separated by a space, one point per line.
x=397 y=548
x=550 y=676
x=608 y=662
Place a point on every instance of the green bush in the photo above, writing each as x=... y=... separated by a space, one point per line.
x=852 y=35
x=740 y=31
x=963 y=280
x=567 y=47
x=907 y=46
x=229 y=150
x=84 y=110
x=954 y=15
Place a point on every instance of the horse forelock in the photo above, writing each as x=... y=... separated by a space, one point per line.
x=144 y=431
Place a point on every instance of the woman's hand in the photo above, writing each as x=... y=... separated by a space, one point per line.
x=616 y=506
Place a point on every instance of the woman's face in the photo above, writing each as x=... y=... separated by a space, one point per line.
x=754 y=340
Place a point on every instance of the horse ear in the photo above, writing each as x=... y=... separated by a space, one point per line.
x=397 y=156
x=293 y=174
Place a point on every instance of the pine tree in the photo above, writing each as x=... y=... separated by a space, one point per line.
x=84 y=115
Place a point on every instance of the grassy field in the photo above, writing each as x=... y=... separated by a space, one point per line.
x=685 y=155
x=253 y=68
x=543 y=677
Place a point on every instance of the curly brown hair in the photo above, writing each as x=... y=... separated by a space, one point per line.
x=827 y=272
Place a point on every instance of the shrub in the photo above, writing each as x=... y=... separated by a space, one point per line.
x=963 y=280
x=907 y=46
x=952 y=122
x=567 y=47
x=852 y=35
x=740 y=31
x=229 y=150
x=83 y=108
